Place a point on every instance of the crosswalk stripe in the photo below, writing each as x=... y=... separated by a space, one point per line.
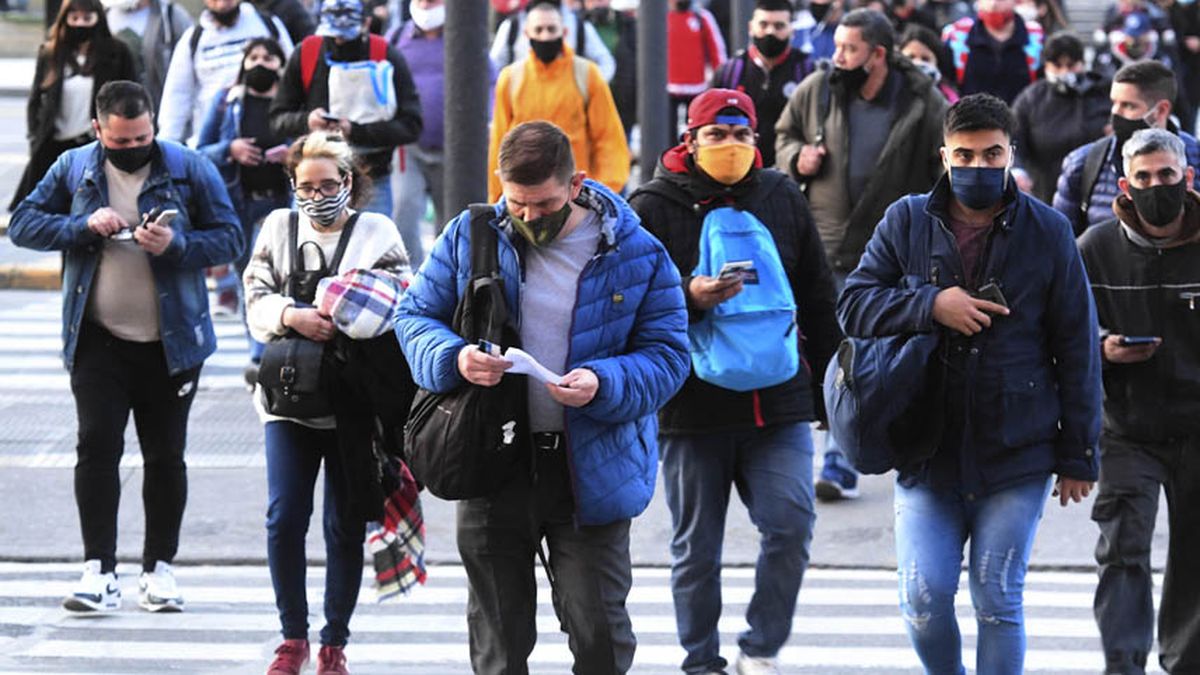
x=846 y=620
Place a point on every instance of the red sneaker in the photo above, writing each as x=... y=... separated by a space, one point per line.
x=290 y=658
x=331 y=661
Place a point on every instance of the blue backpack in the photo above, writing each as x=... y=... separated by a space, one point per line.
x=749 y=341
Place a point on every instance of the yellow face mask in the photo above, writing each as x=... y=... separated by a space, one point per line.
x=727 y=163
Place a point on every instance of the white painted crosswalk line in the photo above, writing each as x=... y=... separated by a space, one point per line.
x=31 y=346
x=846 y=622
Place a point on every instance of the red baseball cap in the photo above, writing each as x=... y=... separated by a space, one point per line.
x=706 y=109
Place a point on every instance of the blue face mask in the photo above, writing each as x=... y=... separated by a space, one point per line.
x=978 y=187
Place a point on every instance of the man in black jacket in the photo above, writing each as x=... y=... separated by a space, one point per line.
x=768 y=71
x=1145 y=272
x=712 y=436
x=326 y=86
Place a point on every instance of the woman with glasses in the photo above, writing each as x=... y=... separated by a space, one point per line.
x=329 y=187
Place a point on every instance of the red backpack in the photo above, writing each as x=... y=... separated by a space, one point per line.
x=310 y=51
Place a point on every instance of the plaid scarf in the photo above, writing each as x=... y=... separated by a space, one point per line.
x=361 y=303
x=397 y=543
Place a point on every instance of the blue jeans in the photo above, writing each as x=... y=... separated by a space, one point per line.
x=294 y=454
x=381 y=196
x=931 y=528
x=772 y=470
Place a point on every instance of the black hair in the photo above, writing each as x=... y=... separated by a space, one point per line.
x=1062 y=46
x=915 y=32
x=534 y=152
x=1155 y=81
x=979 y=112
x=876 y=30
x=59 y=49
x=544 y=4
x=775 y=6
x=124 y=99
x=266 y=43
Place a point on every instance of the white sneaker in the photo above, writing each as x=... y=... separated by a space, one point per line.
x=157 y=591
x=95 y=592
x=756 y=665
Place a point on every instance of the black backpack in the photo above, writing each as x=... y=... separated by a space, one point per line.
x=467 y=443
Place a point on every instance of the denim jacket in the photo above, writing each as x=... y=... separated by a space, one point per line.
x=206 y=233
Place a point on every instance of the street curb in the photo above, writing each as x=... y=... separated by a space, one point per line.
x=30 y=278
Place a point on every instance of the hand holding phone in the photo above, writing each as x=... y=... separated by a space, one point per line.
x=1137 y=340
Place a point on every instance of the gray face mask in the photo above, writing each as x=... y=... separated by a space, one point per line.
x=930 y=70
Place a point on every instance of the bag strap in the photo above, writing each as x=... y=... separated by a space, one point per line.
x=485 y=249
x=824 y=100
x=343 y=242
x=579 y=68
x=1093 y=165
x=297 y=256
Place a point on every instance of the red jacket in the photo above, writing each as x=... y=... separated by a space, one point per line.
x=693 y=42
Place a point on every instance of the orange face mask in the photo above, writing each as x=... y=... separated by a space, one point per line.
x=727 y=163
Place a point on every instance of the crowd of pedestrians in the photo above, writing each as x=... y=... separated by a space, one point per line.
x=865 y=176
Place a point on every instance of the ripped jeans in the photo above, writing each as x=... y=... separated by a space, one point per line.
x=931 y=528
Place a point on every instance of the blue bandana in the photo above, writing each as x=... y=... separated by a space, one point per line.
x=341 y=18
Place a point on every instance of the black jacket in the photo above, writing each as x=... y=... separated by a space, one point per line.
x=296 y=19
x=770 y=90
x=1144 y=290
x=1053 y=120
x=289 y=111
x=113 y=62
x=669 y=209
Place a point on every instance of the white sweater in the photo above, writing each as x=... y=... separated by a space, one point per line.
x=191 y=86
x=374 y=244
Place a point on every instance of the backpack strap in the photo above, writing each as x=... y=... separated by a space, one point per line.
x=485 y=248
x=310 y=51
x=513 y=29
x=824 y=100
x=580 y=68
x=269 y=20
x=1093 y=165
x=377 y=47
x=194 y=41
x=733 y=74
x=580 y=35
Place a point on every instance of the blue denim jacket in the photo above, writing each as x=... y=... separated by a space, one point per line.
x=206 y=231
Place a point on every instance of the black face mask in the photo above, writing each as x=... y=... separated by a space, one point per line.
x=1160 y=204
x=683 y=5
x=1123 y=128
x=376 y=25
x=130 y=159
x=228 y=17
x=819 y=11
x=770 y=46
x=77 y=35
x=261 y=78
x=546 y=50
x=853 y=79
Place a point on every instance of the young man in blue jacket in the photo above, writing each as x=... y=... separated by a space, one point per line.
x=136 y=327
x=1022 y=383
x=596 y=297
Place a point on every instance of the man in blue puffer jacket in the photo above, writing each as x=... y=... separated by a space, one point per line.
x=1007 y=292
x=596 y=296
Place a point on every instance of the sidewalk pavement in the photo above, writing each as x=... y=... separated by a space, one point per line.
x=224 y=522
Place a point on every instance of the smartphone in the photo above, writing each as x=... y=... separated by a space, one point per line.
x=736 y=269
x=1136 y=340
x=151 y=216
x=992 y=293
x=489 y=347
x=164 y=217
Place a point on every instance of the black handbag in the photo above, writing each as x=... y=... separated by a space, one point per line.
x=467 y=443
x=293 y=370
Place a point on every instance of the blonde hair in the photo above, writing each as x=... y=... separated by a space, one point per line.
x=331 y=146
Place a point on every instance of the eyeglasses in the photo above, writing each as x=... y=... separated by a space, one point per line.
x=327 y=188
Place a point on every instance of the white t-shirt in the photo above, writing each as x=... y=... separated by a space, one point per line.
x=73 y=117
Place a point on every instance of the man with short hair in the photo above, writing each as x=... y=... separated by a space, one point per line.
x=1141 y=96
x=1021 y=399
x=996 y=51
x=859 y=136
x=136 y=327
x=1144 y=267
x=599 y=300
x=768 y=70
x=511 y=42
x=556 y=85
x=207 y=59
x=758 y=438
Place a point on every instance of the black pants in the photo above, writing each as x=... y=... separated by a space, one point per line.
x=497 y=539
x=111 y=377
x=1130 y=477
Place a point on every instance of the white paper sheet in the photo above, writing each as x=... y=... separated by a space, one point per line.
x=524 y=364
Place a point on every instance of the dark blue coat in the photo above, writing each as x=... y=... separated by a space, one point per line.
x=206 y=233
x=1031 y=383
x=629 y=326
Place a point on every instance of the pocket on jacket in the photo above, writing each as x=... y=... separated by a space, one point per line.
x=1031 y=409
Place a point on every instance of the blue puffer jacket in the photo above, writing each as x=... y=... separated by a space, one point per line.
x=1033 y=391
x=1068 y=193
x=206 y=233
x=629 y=326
